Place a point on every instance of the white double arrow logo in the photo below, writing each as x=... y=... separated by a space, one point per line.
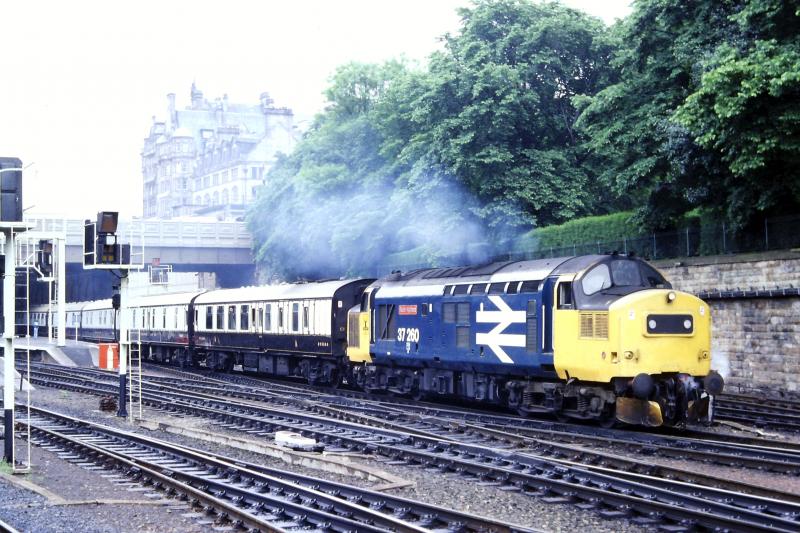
x=496 y=338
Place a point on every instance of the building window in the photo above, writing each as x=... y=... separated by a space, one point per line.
x=197 y=201
x=225 y=177
x=235 y=195
x=234 y=173
x=254 y=172
x=206 y=200
x=215 y=198
x=207 y=181
x=216 y=179
x=225 y=196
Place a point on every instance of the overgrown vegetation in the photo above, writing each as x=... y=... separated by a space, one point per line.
x=535 y=114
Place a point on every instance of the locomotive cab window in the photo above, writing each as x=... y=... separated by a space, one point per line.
x=449 y=313
x=565 y=298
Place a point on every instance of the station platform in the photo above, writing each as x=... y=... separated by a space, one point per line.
x=74 y=353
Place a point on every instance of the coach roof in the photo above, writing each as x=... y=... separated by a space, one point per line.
x=285 y=291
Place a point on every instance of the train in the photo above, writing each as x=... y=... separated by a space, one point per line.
x=597 y=337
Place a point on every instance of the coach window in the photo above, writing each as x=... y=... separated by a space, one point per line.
x=305 y=316
x=565 y=300
x=231 y=317
x=268 y=318
x=164 y=318
x=280 y=317
x=295 y=316
x=220 y=322
x=244 y=315
x=209 y=318
x=260 y=320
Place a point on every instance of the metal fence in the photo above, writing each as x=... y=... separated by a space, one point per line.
x=779 y=233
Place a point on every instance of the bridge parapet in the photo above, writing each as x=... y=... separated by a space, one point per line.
x=159 y=233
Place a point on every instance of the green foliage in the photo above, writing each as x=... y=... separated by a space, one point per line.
x=579 y=231
x=534 y=114
x=747 y=110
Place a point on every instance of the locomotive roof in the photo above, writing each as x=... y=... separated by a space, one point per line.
x=536 y=269
x=284 y=291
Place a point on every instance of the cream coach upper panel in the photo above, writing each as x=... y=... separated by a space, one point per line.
x=180 y=298
x=286 y=291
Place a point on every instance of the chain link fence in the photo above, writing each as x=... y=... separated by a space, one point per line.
x=779 y=233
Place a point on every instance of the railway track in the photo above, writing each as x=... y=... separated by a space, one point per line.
x=498 y=431
x=645 y=498
x=783 y=415
x=243 y=493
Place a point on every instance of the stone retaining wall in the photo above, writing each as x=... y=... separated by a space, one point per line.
x=755 y=342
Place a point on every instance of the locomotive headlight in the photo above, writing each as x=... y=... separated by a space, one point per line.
x=671 y=297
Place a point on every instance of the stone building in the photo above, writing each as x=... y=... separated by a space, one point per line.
x=210 y=158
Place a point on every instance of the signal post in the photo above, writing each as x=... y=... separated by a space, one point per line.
x=102 y=251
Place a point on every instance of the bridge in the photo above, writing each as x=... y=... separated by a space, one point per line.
x=221 y=247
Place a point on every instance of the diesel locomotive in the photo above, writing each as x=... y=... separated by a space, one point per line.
x=601 y=337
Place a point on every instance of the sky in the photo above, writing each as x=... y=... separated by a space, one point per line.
x=80 y=81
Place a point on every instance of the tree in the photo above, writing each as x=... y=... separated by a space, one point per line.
x=747 y=110
x=495 y=110
x=642 y=154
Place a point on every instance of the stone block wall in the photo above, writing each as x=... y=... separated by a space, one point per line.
x=755 y=342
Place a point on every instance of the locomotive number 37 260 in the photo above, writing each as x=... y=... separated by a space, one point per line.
x=408 y=334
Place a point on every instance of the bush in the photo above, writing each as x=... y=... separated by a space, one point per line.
x=586 y=230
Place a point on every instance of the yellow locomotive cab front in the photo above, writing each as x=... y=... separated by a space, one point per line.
x=650 y=346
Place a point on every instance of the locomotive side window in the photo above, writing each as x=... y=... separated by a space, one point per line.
x=295 y=316
x=462 y=336
x=565 y=300
x=532 y=285
x=497 y=288
x=462 y=313
x=244 y=317
x=460 y=289
x=513 y=287
x=449 y=313
x=478 y=288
